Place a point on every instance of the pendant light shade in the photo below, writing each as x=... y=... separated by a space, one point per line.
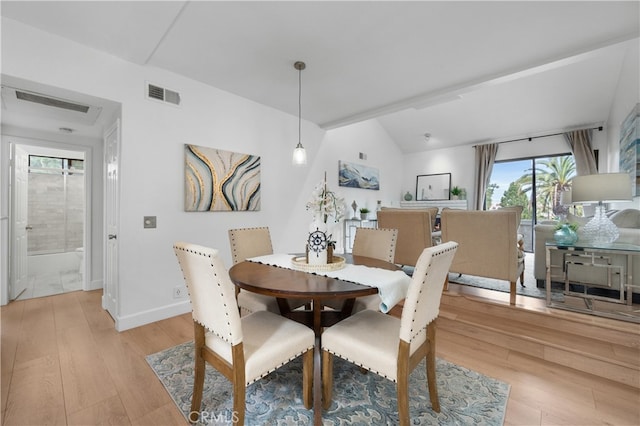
x=299 y=153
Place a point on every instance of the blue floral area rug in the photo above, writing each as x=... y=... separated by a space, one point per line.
x=466 y=397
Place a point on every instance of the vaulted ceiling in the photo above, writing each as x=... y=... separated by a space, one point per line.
x=464 y=72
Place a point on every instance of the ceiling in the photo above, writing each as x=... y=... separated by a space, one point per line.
x=464 y=72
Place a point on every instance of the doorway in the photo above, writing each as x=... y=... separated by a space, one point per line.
x=55 y=190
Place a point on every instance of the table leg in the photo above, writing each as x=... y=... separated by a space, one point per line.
x=628 y=284
x=548 y=277
x=317 y=373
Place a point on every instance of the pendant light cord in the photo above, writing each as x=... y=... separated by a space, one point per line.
x=299 y=106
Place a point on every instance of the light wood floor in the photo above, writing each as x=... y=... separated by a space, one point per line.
x=63 y=363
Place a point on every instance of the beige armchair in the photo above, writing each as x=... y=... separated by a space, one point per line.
x=488 y=244
x=414 y=231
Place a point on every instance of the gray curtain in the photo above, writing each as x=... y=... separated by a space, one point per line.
x=485 y=157
x=580 y=143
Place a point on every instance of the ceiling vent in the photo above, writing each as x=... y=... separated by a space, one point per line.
x=47 y=106
x=52 y=102
x=157 y=93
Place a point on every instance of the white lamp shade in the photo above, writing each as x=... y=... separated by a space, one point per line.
x=604 y=187
x=299 y=156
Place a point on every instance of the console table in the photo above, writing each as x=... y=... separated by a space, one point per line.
x=584 y=254
x=440 y=204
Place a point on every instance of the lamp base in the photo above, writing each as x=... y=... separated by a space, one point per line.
x=600 y=229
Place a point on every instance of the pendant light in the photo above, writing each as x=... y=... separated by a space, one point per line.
x=299 y=153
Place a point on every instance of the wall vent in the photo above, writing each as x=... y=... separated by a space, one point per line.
x=162 y=94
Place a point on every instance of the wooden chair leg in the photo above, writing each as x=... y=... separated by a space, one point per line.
x=512 y=293
x=403 y=400
x=239 y=390
x=198 y=385
x=198 y=374
x=402 y=385
x=239 y=384
x=307 y=379
x=431 y=367
x=327 y=379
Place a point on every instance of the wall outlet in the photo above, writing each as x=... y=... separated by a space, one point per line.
x=179 y=292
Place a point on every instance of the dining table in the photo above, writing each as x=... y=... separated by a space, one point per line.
x=287 y=283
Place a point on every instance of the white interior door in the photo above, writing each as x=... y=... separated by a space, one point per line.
x=112 y=152
x=19 y=272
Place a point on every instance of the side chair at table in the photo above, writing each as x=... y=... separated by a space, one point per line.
x=242 y=349
x=389 y=346
x=247 y=243
x=378 y=243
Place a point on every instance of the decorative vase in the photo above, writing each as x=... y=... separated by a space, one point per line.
x=363 y=216
x=408 y=196
x=317 y=243
x=565 y=235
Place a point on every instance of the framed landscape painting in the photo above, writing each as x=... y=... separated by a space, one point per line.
x=219 y=180
x=358 y=176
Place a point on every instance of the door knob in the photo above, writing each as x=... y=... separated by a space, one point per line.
x=28 y=227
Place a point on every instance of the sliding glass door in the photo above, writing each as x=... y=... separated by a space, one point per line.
x=533 y=183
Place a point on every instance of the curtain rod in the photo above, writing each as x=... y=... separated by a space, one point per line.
x=530 y=138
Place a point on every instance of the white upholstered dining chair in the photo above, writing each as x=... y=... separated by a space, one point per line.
x=378 y=243
x=247 y=243
x=242 y=349
x=389 y=346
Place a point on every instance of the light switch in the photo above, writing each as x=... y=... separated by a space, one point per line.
x=149 y=221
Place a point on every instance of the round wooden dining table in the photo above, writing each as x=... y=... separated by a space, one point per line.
x=283 y=284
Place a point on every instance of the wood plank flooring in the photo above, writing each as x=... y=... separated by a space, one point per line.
x=64 y=363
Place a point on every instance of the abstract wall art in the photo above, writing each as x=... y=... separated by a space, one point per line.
x=219 y=180
x=358 y=176
x=630 y=148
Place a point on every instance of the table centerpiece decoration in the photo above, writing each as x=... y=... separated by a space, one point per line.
x=327 y=209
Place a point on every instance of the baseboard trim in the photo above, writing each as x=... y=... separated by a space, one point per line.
x=127 y=322
x=94 y=285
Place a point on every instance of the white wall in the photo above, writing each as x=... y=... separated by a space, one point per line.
x=626 y=97
x=152 y=161
x=459 y=161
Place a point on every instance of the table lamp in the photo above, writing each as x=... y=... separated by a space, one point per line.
x=601 y=188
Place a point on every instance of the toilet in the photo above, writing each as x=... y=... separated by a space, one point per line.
x=80 y=254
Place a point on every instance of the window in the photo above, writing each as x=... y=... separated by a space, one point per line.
x=55 y=165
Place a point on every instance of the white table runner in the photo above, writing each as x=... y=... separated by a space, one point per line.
x=392 y=285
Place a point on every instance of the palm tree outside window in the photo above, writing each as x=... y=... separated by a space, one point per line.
x=519 y=182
